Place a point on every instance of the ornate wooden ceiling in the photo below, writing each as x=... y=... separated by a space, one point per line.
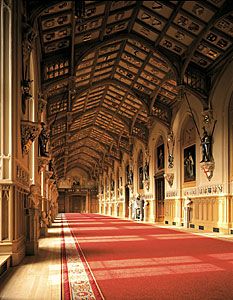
x=110 y=74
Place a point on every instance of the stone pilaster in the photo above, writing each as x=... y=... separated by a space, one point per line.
x=32 y=221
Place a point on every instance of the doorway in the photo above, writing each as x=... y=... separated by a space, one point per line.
x=126 y=201
x=160 y=192
x=78 y=204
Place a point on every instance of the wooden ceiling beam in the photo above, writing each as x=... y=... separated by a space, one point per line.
x=227 y=6
x=93 y=46
x=144 y=98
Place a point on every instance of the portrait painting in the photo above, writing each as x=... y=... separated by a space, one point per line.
x=140 y=172
x=190 y=163
x=160 y=157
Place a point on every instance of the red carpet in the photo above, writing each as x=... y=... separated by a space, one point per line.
x=132 y=260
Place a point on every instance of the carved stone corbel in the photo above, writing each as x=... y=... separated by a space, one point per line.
x=169 y=177
x=34 y=196
x=208 y=169
x=43 y=161
x=29 y=132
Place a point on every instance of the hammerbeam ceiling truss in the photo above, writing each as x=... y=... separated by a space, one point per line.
x=111 y=73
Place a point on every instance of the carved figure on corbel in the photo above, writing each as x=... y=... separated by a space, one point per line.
x=33 y=196
x=43 y=140
x=44 y=223
x=26 y=93
x=29 y=132
x=42 y=163
x=42 y=102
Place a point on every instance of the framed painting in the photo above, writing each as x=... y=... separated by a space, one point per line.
x=140 y=172
x=160 y=157
x=190 y=163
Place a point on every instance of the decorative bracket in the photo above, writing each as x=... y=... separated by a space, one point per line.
x=208 y=168
x=29 y=132
x=34 y=196
x=43 y=161
x=169 y=177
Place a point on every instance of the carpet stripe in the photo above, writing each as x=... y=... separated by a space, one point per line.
x=79 y=283
x=65 y=279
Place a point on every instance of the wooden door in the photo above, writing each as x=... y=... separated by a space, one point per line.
x=126 y=201
x=160 y=193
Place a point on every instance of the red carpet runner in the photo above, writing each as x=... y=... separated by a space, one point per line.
x=128 y=260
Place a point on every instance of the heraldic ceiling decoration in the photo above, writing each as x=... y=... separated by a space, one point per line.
x=110 y=69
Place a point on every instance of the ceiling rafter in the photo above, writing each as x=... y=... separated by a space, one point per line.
x=97 y=111
x=90 y=158
x=76 y=150
x=89 y=139
x=77 y=115
x=156 y=91
x=119 y=37
x=80 y=166
x=144 y=98
x=107 y=10
x=192 y=48
x=87 y=163
x=107 y=132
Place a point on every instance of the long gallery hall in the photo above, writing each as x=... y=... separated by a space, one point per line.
x=116 y=150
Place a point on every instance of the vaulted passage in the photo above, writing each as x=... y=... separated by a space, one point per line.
x=120 y=109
